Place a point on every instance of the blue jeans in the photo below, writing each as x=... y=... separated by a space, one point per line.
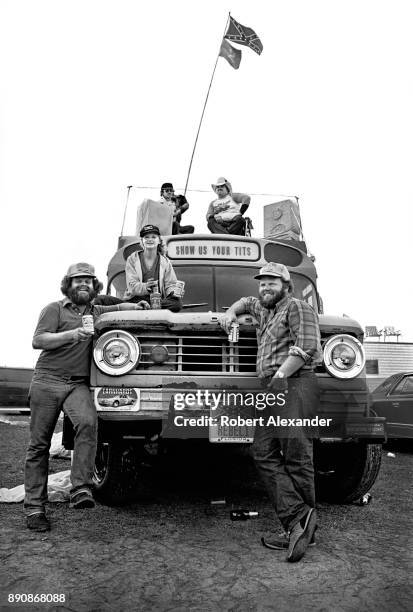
x=49 y=394
x=284 y=459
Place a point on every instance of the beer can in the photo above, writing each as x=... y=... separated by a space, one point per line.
x=366 y=499
x=233 y=335
x=155 y=298
x=87 y=322
x=179 y=289
x=242 y=515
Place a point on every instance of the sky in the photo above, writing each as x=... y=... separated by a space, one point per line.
x=98 y=95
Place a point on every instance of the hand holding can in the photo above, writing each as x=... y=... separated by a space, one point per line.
x=87 y=322
x=152 y=285
x=233 y=335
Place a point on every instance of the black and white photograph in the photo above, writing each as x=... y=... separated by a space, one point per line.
x=206 y=365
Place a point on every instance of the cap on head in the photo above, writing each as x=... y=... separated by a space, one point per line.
x=149 y=229
x=166 y=186
x=274 y=269
x=81 y=269
x=221 y=181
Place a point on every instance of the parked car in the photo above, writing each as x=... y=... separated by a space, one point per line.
x=14 y=389
x=393 y=399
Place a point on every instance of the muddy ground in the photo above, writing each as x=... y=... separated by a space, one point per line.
x=172 y=551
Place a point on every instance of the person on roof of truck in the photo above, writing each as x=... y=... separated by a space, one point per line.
x=179 y=205
x=149 y=269
x=288 y=337
x=61 y=382
x=224 y=214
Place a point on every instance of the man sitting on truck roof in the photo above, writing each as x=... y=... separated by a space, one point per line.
x=224 y=214
x=179 y=205
x=61 y=382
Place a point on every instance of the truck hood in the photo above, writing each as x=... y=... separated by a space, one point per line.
x=208 y=321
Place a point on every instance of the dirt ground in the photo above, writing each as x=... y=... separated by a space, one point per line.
x=172 y=551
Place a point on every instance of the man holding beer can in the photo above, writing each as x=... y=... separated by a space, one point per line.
x=288 y=338
x=61 y=382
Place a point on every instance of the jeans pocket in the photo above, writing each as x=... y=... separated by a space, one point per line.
x=46 y=390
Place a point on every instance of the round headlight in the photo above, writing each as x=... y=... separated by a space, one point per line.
x=344 y=356
x=116 y=352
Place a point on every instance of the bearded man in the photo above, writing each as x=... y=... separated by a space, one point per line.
x=61 y=382
x=288 y=338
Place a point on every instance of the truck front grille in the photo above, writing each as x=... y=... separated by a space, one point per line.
x=200 y=354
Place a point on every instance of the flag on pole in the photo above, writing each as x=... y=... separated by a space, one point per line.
x=242 y=35
x=231 y=54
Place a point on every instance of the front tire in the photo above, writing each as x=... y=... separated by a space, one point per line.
x=116 y=474
x=345 y=472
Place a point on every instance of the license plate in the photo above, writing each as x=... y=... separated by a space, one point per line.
x=224 y=433
x=219 y=429
x=117 y=399
x=227 y=428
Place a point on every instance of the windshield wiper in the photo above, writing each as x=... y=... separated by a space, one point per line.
x=194 y=305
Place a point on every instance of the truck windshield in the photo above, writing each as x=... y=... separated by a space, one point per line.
x=230 y=284
x=209 y=288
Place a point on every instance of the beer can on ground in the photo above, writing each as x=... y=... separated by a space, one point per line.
x=233 y=335
x=87 y=322
x=179 y=289
x=242 y=515
x=155 y=298
x=366 y=499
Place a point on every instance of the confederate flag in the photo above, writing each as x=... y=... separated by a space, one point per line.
x=242 y=35
x=232 y=55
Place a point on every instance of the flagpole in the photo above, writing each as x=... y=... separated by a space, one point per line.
x=203 y=110
x=129 y=187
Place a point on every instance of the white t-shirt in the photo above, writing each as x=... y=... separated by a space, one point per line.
x=226 y=207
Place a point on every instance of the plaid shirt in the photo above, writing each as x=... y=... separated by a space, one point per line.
x=290 y=329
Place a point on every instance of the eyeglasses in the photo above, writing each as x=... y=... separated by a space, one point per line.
x=169 y=190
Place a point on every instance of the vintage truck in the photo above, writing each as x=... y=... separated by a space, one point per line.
x=150 y=356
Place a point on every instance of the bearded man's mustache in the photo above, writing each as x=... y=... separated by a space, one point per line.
x=81 y=295
x=276 y=297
